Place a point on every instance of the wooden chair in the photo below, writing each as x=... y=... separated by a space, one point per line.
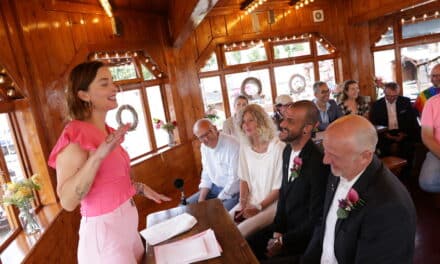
x=394 y=164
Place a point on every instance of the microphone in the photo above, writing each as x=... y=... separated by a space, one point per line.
x=178 y=184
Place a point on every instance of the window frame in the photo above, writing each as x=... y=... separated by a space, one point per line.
x=270 y=63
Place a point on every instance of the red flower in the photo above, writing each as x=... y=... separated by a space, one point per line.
x=349 y=204
x=174 y=123
x=353 y=196
x=298 y=161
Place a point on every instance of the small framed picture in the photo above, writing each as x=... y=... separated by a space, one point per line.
x=318 y=15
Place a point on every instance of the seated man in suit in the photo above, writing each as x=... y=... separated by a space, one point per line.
x=220 y=163
x=301 y=196
x=328 y=109
x=369 y=216
x=396 y=112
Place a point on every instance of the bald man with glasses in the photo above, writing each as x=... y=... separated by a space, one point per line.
x=328 y=109
x=219 y=153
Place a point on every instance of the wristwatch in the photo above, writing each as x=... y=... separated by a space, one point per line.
x=259 y=207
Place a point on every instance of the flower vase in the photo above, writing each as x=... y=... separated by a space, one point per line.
x=28 y=220
x=171 y=141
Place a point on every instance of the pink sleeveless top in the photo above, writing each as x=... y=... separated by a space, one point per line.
x=112 y=185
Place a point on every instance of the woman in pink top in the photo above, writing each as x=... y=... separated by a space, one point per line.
x=94 y=170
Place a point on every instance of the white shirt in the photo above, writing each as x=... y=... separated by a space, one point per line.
x=328 y=247
x=220 y=166
x=392 y=115
x=261 y=171
x=292 y=157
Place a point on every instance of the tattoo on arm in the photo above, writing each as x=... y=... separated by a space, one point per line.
x=139 y=187
x=81 y=192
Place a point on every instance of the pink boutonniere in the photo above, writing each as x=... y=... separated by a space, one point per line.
x=349 y=204
x=294 y=171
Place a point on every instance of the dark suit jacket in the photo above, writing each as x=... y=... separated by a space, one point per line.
x=301 y=201
x=334 y=112
x=406 y=116
x=382 y=231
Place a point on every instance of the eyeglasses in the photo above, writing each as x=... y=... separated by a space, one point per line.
x=204 y=135
x=325 y=91
x=435 y=75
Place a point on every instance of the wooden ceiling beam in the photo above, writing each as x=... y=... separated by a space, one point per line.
x=185 y=16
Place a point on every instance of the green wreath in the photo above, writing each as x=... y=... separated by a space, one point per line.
x=133 y=113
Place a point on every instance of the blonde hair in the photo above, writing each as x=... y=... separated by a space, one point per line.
x=265 y=126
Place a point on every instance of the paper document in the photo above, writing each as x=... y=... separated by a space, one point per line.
x=169 y=228
x=199 y=247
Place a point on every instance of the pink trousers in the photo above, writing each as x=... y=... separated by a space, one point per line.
x=111 y=238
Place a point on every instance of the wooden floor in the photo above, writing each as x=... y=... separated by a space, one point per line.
x=427 y=249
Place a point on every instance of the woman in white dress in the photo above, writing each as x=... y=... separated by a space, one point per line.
x=230 y=126
x=259 y=170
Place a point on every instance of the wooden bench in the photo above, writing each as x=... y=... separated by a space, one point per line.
x=394 y=164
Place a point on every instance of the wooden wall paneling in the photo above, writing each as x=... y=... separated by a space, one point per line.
x=247 y=24
x=185 y=16
x=218 y=26
x=292 y=20
x=233 y=24
x=263 y=22
x=203 y=35
x=98 y=28
x=78 y=31
x=280 y=20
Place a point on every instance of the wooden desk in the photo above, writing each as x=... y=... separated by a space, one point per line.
x=209 y=214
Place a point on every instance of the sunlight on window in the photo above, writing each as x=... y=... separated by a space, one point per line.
x=157 y=110
x=384 y=68
x=146 y=74
x=386 y=38
x=292 y=50
x=253 y=54
x=422 y=28
x=123 y=72
x=417 y=62
x=213 y=99
x=327 y=73
x=295 y=86
x=211 y=64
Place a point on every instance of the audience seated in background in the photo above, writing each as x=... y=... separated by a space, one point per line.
x=369 y=216
x=301 y=197
x=230 y=126
x=431 y=91
x=328 y=109
x=280 y=106
x=259 y=170
x=429 y=178
x=351 y=102
x=219 y=161
x=397 y=114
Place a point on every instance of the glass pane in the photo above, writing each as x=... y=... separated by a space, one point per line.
x=157 y=110
x=327 y=73
x=212 y=98
x=258 y=95
x=211 y=64
x=14 y=167
x=146 y=74
x=321 y=49
x=417 y=62
x=422 y=28
x=296 y=80
x=384 y=68
x=387 y=38
x=253 y=54
x=292 y=50
x=10 y=150
x=137 y=141
x=123 y=72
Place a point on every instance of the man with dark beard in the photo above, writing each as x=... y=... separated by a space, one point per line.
x=302 y=190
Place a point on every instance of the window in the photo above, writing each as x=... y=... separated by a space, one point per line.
x=143 y=95
x=419 y=49
x=297 y=62
x=246 y=55
x=292 y=50
x=211 y=64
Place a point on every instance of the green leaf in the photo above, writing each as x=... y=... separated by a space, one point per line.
x=341 y=213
